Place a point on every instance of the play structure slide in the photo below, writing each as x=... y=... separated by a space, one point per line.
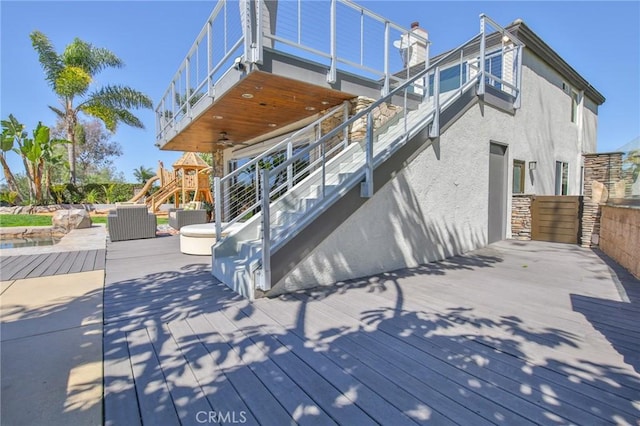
x=163 y=194
x=144 y=189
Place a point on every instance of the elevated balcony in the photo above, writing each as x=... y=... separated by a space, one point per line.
x=260 y=68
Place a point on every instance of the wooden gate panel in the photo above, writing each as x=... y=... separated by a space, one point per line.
x=555 y=218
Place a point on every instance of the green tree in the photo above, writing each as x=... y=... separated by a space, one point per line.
x=71 y=74
x=6 y=145
x=37 y=153
x=143 y=174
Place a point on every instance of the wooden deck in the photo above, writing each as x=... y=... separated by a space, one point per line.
x=535 y=333
x=43 y=265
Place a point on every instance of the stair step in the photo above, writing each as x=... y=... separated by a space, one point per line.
x=316 y=190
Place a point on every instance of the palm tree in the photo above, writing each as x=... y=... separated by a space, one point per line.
x=143 y=174
x=70 y=75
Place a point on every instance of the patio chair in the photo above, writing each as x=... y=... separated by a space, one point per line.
x=191 y=214
x=131 y=222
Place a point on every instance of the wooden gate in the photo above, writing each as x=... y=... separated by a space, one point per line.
x=556 y=218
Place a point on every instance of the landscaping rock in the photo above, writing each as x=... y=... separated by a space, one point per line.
x=68 y=220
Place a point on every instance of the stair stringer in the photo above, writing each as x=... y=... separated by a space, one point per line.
x=309 y=241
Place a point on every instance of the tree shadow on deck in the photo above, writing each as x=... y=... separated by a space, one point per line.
x=178 y=345
x=616 y=320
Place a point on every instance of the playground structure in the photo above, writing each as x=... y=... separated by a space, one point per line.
x=188 y=181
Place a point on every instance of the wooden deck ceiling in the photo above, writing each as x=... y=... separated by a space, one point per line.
x=261 y=103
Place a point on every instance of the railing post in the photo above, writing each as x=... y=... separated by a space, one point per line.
x=324 y=169
x=257 y=178
x=385 y=88
x=331 y=77
x=425 y=95
x=290 y=166
x=517 y=102
x=247 y=32
x=461 y=79
x=217 y=205
x=345 y=118
x=366 y=189
x=435 y=126
x=482 y=55
x=173 y=103
x=209 y=59
x=257 y=50
x=187 y=96
x=266 y=232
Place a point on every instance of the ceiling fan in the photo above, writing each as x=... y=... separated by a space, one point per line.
x=224 y=140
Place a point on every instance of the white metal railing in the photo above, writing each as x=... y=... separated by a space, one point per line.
x=436 y=94
x=337 y=33
x=217 y=45
x=237 y=195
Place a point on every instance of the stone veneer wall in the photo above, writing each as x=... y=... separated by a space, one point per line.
x=600 y=170
x=620 y=236
x=521 y=216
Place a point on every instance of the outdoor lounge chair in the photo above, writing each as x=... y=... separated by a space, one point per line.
x=131 y=222
x=182 y=217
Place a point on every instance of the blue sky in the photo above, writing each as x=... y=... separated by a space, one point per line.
x=601 y=40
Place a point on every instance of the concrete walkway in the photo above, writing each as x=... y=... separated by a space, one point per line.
x=51 y=335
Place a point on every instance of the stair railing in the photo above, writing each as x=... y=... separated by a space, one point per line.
x=238 y=195
x=429 y=84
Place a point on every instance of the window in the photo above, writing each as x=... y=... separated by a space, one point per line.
x=493 y=66
x=575 y=102
x=518 y=176
x=450 y=78
x=562 y=178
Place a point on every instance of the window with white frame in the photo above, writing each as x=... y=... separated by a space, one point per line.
x=518 y=176
x=562 y=178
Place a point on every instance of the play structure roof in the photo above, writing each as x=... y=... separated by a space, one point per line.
x=190 y=160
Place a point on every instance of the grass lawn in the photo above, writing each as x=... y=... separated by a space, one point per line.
x=7 y=220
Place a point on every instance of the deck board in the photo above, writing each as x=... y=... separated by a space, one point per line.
x=370 y=401
x=120 y=401
x=155 y=402
x=283 y=388
x=15 y=267
x=467 y=341
x=470 y=346
x=498 y=389
x=26 y=268
x=55 y=263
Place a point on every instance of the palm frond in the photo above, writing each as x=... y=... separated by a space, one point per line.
x=103 y=113
x=129 y=119
x=49 y=59
x=119 y=97
x=104 y=58
x=92 y=59
x=57 y=111
x=111 y=117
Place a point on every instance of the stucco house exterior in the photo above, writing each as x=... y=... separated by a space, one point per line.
x=412 y=166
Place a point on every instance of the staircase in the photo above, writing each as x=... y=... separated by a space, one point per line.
x=242 y=260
